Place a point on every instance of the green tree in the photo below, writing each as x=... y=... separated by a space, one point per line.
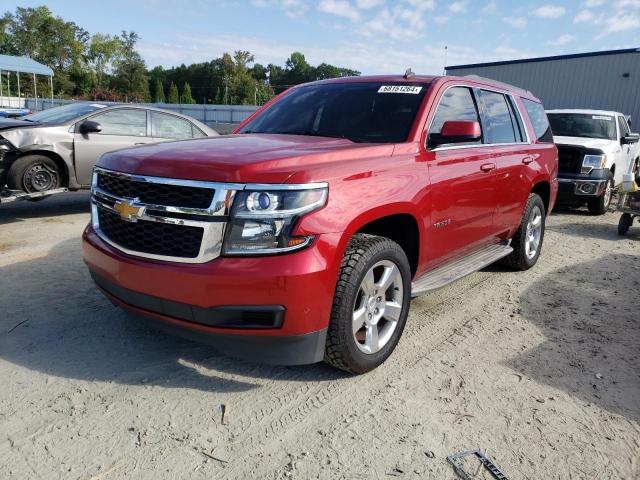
x=297 y=70
x=186 y=94
x=242 y=58
x=130 y=73
x=159 y=93
x=173 y=94
x=36 y=33
x=102 y=51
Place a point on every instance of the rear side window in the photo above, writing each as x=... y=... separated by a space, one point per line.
x=518 y=124
x=539 y=119
x=170 y=126
x=455 y=105
x=499 y=127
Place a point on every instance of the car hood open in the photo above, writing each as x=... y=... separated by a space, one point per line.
x=248 y=158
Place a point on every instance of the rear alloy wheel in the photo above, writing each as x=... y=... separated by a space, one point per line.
x=34 y=173
x=527 y=242
x=600 y=205
x=370 y=305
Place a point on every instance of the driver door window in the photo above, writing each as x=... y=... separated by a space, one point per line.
x=623 y=126
x=456 y=104
x=122 y=128
x=125 y=122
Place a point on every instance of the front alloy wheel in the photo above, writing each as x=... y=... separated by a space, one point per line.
x=370 y=304
x=377 y=307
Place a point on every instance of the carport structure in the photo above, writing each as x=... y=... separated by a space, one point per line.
x=22 y=65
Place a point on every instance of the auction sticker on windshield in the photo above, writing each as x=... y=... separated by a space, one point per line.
x=410 y=89
x=601 y=117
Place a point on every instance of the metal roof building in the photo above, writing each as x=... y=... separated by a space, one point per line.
x=608 y=80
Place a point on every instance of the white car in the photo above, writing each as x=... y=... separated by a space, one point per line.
x=595 y=149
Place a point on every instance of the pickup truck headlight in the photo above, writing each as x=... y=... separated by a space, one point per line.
x=590 y=162
x=262 y=218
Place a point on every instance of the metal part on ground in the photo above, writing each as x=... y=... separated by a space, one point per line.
x=455 y=460
x=9 y=196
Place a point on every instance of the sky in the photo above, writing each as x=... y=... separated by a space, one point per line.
x=372 y=36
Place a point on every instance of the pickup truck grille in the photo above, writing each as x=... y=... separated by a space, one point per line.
x=156 y=193
x=151 y=237
x=158 y=218
x=569 y=159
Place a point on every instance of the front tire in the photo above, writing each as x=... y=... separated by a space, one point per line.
x=34 y=173
x=527 y=242
x=600 y=205
x=370 y=304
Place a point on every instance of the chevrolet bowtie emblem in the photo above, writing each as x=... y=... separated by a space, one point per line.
x=127 y=211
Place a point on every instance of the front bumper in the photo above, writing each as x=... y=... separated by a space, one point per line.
x=196 y=300
x=581 y=187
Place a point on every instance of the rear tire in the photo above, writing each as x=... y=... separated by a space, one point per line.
x=527 y=242
x=34 y=173
x=624 y=224
x=370 y=304
x=600 y=205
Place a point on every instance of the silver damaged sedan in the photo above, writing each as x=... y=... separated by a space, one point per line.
x=60 y=146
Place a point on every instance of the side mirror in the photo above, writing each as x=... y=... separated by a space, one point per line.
x=456 y=132
x=89 y=126
x=630 y=139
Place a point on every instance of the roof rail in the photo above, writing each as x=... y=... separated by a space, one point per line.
x=500 y=84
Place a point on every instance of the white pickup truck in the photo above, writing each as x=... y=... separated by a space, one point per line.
x=595 y=149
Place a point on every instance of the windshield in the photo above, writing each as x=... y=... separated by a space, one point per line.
x=360 y=112
x=583 y=125
x=64 y=114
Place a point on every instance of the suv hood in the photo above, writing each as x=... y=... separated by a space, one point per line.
x=247 y=158
x=598 y=143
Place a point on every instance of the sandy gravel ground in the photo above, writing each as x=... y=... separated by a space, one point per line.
x=540 y=370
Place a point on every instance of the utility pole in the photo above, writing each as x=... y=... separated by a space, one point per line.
x=35 y=89
x=444 y=70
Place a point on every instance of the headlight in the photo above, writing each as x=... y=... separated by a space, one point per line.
x=589 y=162
x=262 y=218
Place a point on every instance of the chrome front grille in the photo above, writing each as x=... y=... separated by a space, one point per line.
x=156 y=193
x=159 y=218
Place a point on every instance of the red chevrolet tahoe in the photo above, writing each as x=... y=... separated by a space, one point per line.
x=304 y=235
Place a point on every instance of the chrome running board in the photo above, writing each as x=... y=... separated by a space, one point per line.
x=449 y=273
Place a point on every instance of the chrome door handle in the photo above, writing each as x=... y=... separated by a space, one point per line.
x=487 y=167
x=140 y=143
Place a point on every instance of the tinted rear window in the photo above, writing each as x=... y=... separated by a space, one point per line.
x=539 y=119
x=360 y=112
